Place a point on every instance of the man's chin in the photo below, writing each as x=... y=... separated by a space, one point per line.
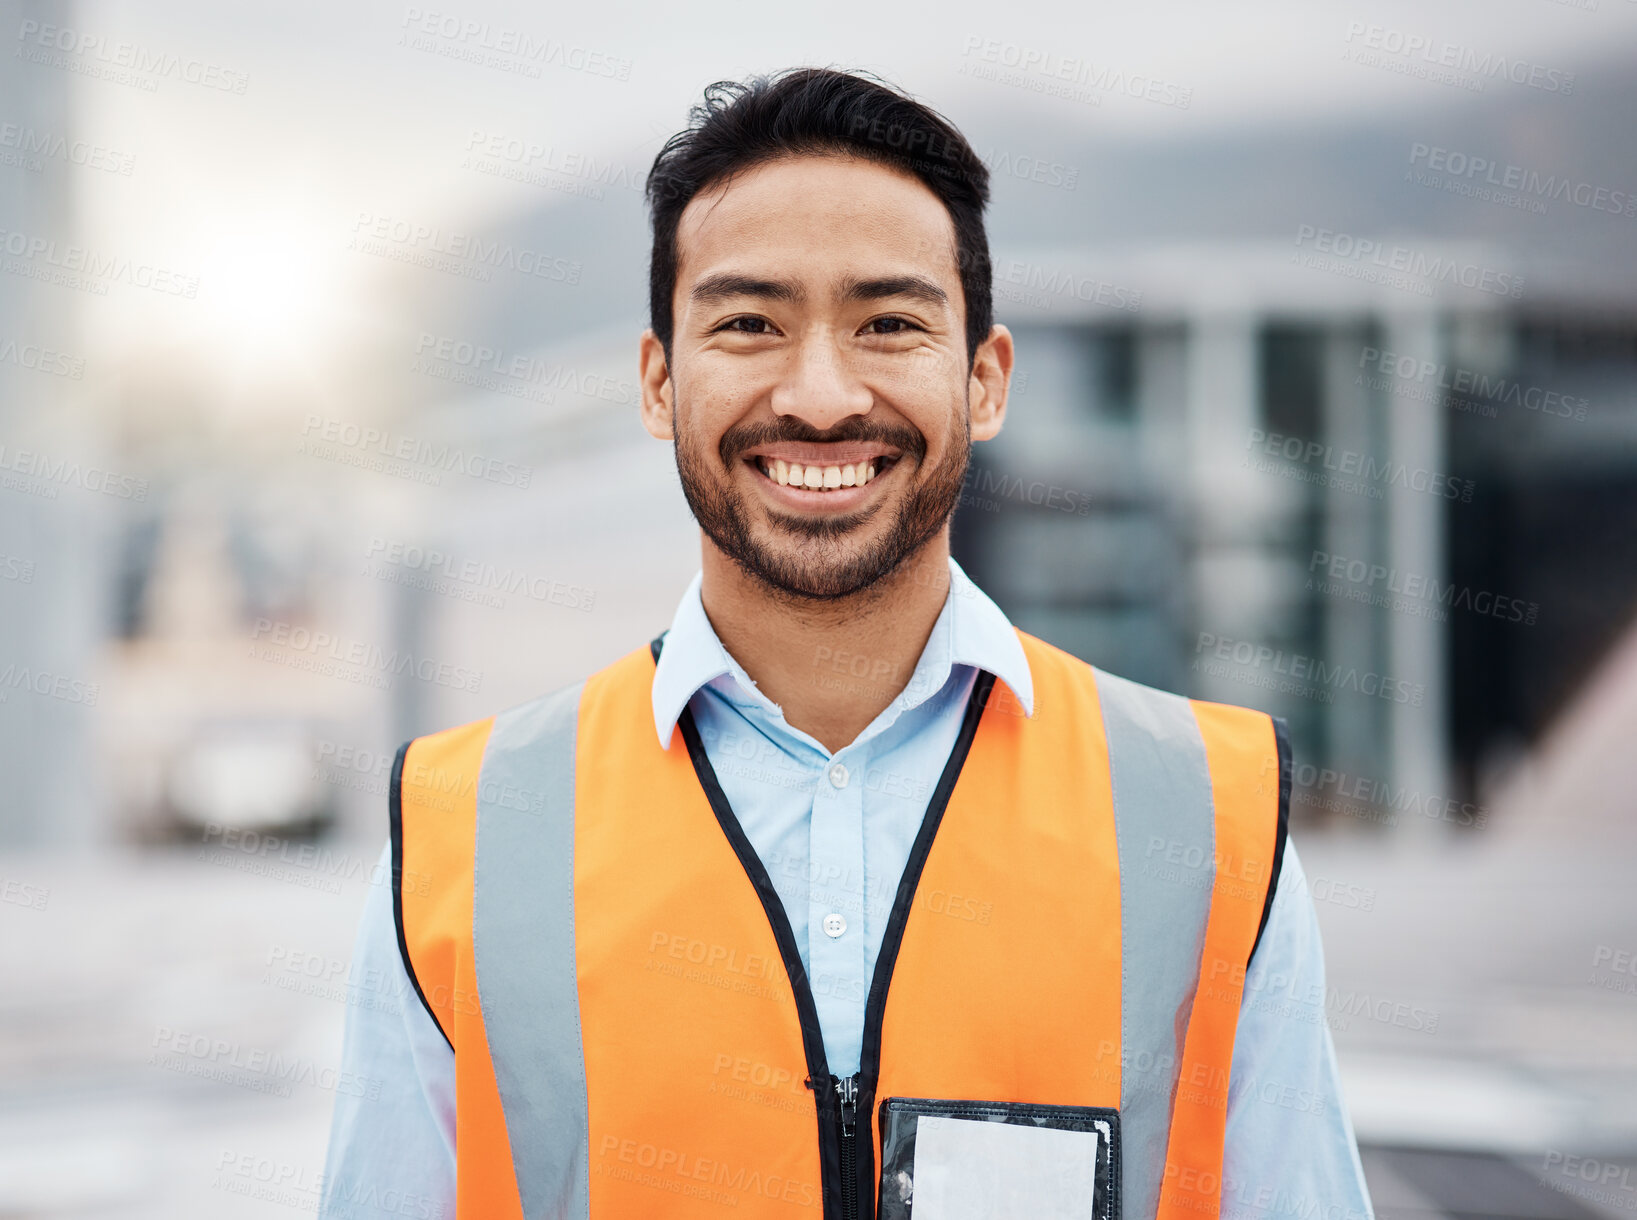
x=783 y=530
x=812 y=577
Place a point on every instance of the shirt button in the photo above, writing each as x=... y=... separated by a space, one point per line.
x=834 y=924
x=838 y=775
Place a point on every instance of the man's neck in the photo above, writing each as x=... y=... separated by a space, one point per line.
x=832 y=666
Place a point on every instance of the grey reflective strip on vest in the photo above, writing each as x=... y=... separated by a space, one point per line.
x=523 y=950
x=1166 y=830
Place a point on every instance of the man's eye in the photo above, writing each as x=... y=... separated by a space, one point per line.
x=745 y=326
x=893 y=326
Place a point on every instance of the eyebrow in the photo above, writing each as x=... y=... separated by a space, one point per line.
x=725 y=285
x=914 y=286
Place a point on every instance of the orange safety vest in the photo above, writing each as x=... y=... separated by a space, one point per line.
x=633 y=1030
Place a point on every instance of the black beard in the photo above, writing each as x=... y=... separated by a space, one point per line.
x=823 y=568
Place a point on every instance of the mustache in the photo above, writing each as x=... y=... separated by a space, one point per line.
x=745 y=436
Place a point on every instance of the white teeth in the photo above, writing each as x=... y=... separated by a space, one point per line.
x=794 y=474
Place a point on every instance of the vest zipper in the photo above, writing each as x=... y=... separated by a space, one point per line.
x=846 y=1088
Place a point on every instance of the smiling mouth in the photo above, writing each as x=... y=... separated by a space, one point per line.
x=816 y=476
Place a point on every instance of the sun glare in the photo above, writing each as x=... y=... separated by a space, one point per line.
x=266 y=294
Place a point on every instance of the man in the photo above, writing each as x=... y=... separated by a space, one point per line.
x=843 y=896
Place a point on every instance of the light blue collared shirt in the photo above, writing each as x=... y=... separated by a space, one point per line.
x=834 y=832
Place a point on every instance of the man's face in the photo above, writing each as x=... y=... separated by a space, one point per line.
x=817 y=389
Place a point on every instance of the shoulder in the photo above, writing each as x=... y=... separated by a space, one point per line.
x=444 y=770
x=1239 y=757
x=1160 y=713
x=461 y=748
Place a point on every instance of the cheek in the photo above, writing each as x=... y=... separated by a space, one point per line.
x=708 y=407
x=944 y=431
x=698 y=429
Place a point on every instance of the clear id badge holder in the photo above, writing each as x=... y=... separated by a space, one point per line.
x=991 y=1160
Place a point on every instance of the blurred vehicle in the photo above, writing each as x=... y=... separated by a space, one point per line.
x=248 y=773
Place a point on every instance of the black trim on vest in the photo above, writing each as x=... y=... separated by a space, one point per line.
x=812 y=1037
x=1281 y=735
x=396 y=808
x=875 y=1007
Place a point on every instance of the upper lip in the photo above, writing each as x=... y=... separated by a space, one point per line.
x=834 y=453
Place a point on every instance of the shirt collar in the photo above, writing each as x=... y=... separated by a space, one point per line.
x=971 y=630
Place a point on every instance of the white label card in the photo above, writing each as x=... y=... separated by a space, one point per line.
x=970 y=1169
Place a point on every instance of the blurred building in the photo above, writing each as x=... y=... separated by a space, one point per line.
x=56 y=535
x=1380 y=504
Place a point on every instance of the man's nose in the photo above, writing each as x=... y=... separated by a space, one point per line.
x=820 y=387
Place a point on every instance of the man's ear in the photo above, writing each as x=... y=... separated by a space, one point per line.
x=990 y=383
x=657 y=395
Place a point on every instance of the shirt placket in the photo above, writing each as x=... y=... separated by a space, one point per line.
x=835 y=923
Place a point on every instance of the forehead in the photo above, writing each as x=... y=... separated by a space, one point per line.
x=811 y=212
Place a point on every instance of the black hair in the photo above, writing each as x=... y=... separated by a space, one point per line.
x=818 y=111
